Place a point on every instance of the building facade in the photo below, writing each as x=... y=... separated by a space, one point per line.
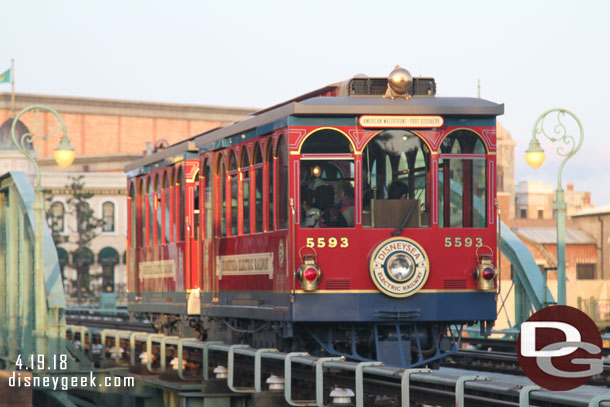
x=596 y=222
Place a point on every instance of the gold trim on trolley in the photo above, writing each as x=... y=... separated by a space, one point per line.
x=423 y=291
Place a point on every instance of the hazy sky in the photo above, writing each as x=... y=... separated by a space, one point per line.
x=530 y=55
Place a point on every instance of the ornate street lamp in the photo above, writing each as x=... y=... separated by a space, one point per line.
x=534 y=156
x=64 y=156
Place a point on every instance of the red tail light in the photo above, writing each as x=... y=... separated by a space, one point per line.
x=311 y=273
x=488 y=273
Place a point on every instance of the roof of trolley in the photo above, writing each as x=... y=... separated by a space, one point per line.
x=359 y=105
x=312 y=104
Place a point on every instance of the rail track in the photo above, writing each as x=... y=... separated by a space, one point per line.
x=478 y=377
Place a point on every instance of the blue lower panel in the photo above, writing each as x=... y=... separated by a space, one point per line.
x=266 y=306
x=373 y=307
x=157 y=302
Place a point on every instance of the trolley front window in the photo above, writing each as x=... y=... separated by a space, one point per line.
x=327 y=181
x=462 y=181
x=395 y=181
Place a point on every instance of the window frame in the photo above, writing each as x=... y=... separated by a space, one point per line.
x=269 y=185
x=232 y=175
x=467 y=199
x=63 y=216
x=114 y=216
x=220 y=198
x=282 y=182
x=242 y=208
x=337 y=156
x=258 y=169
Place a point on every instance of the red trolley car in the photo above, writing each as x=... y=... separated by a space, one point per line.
x=359 y=219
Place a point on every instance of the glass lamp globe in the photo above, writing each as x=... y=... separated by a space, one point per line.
x=64 y=153
x=534 y=155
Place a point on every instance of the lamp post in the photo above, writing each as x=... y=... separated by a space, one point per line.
x=534 y=156
x=64 y=156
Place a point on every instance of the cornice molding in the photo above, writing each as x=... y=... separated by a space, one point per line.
x=79 y=105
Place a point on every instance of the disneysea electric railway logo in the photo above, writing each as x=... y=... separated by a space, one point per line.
x=399 y=267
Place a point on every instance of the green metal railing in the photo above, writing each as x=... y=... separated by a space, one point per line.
x=19 y=302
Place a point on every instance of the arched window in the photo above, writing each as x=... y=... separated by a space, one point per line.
x=167 y=209
x=257 y=172
x=195 y=220
x=181 y=221
x=83 y=258
x=221 y=199
x=108 y=216
x=64 y=260
x=108 y=258
x=209 y=217
x=462 y=181
x=232 y=177
x=244 y=168
x=150 y=212
x=158 y=210
x=326 y=179
x=270 y=176
x=56 y=220
x=395 y=181
x=282 y=155
x=133 y=225
x=142 y=211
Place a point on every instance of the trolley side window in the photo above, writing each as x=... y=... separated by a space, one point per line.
x=195 y=218
x=232 y=177
x=150 y=211
x=327 y=181
x=221 y=199
x=158 y=210
x=395 y=181
x=270 y=175
x=462 y=181
x=166 y=210
x=244 y=169
x=209 y=219
x=133 y=209
x=282 y=163
x=142 y=212
x=257 y=168
x=181 y=221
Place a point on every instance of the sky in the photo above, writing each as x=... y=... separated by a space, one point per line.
x=531 y=56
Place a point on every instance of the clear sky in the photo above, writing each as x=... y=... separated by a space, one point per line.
x=530 y=55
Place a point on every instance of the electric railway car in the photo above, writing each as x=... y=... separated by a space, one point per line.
x=356 y=220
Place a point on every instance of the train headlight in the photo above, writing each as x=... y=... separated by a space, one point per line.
x=401 y=267
x=400 y=82
x=485 y=273
x=309 y=273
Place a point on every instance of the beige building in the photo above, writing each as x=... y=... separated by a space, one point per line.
x=107 y=251
x=505 y=167
x=534 y=200
x=596 y=222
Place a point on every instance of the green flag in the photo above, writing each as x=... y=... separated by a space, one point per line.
x=5 y=76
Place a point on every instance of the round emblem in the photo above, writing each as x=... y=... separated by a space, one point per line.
x=280 y=253
x=560 y=348
x=399 y=267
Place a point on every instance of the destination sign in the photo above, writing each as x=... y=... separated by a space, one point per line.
x=245 y=264
x=401 y=121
